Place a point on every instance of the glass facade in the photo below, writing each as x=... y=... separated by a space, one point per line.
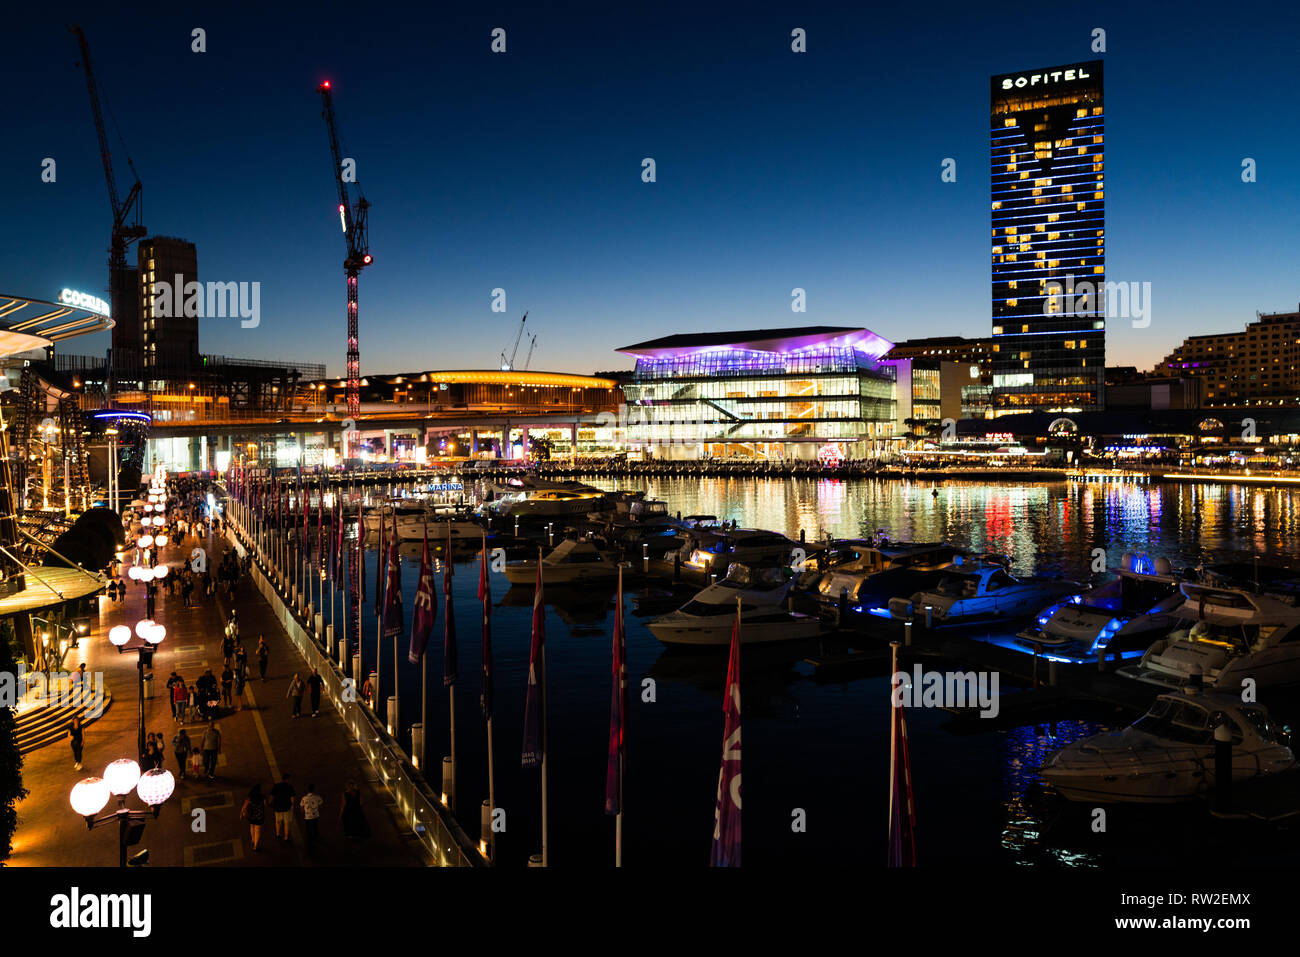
x=1048 y=239
x=727 y=399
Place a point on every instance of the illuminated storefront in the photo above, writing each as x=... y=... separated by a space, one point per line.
x=775 y=393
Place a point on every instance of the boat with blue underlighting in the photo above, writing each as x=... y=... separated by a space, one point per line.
x=1120 y=618
x=980 y=592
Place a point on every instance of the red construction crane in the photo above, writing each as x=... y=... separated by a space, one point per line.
x=352 y=215
x=120 y=286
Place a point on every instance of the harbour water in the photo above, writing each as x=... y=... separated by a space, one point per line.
x=812 y=745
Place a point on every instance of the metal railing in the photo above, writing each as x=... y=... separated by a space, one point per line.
x=420 y=808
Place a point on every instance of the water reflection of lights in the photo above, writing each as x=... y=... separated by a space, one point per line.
x=1024 y=750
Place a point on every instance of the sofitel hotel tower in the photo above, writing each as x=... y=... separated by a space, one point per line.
x=1048 y=215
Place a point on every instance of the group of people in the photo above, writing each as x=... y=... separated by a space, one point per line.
x=283 y=799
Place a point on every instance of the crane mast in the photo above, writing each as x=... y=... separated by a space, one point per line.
x=352 y=216
x=509 y=364
x=124 y=232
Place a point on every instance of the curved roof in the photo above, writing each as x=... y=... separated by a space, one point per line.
x=486 y=377
x=34 y=323
x=790 y=339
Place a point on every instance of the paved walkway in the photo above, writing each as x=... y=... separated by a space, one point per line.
x=260 y=742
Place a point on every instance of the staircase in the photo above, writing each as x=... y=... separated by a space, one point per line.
x=41 y=726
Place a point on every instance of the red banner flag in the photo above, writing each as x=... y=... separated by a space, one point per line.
x=617 y=709
x=485 y=596
x=726 y=815
x=426 y=607
x=449 y=661
x=902 y=809
x=534 y=749
x=393 y=589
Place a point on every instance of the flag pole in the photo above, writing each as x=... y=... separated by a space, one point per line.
x=451 y=688
x=893 y=739
x=424 y=671
x=397 y=701
x=487 y=677
x=622 y=680
x=542 y=701
x=381 y=585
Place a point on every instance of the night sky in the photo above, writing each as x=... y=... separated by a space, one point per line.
x=523 y=171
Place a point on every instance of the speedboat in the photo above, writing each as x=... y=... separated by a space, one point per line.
x=707 y=618
x=980 y=592
x=1167 y=755
x=715 y=548
x=1124 y=615
x=1225 y=636
x=573 y=561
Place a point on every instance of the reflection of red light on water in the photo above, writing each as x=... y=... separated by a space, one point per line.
x=997 y=517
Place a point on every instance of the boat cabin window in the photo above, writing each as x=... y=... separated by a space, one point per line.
x=998 y=580
x=1177 y=721
x=1265 y=726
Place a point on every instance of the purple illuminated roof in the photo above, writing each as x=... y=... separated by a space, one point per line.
x=793 y=339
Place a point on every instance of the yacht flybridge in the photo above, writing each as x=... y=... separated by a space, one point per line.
x=572 y=562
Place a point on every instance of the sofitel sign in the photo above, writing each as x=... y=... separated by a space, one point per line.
x=1052 y=76
x=83 y=300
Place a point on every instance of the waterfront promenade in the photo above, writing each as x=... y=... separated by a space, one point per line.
x=260 y=743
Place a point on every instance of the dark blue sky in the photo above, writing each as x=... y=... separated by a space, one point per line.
x=522 y=170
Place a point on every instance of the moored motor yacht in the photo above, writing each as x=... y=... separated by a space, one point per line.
x=707 y=618
x=413 y=518
x=978 y=592
x=715 y=548
x=1119 y=618
x=883 y=570
x=1168 y=754
x=573 y=561
x=1225 y=636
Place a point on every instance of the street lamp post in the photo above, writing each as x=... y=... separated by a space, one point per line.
x=90 y=795
x=151 y=635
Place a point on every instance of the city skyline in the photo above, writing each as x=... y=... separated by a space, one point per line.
x=523 y=174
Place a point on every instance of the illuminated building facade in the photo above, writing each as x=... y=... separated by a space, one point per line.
x=769 y=393
x=1257 y=366
x=1048 y=239
x=169 y=344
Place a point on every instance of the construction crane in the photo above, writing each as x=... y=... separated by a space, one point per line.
x=532 y=344
x=352 y=216
x=120 y=286
x=508 y=364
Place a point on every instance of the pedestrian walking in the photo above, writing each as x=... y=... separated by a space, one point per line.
x=76 y=737
x=227 y=683
x=211 y=748
x=350 y=814
x=314 y=683
x=311 y=804
x=254 y=812
x=296 y=688
x=241 y=677
x=282 y=802
x=263 y=656
x=179 y=694
x=182 y=747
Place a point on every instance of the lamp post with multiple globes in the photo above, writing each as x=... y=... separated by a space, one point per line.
x=151 y=634
x=90 y=795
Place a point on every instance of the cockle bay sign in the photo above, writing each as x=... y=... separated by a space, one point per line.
x=1042 y=79
x=83 y=300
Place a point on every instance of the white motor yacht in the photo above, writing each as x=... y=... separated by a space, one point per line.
x=1122 y=617
x=413 y=518
x=572 y=562
x=716 y=548
x=1225 y=636
x=1167 y=755
x=980 y=592
x=707 y=618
